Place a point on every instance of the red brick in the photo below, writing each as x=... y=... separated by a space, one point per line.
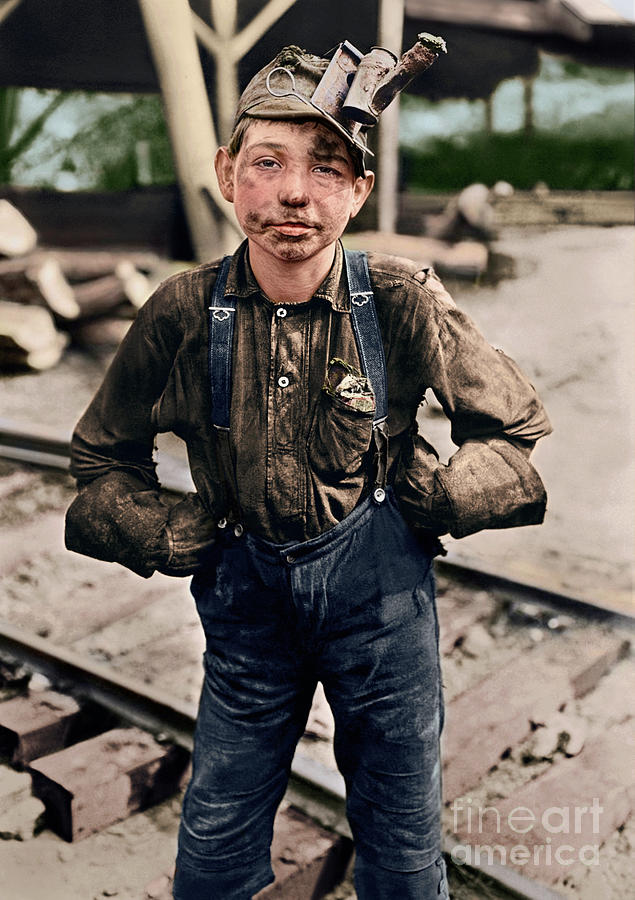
x=35 y=725
x=307 y=860
x=97 y=782
x=601 y=778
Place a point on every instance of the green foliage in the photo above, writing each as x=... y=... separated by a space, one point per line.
x=564 y=162
x=15 y=141
x=104 y=152
x=97 y=141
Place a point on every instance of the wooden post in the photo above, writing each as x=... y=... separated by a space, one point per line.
x=170 y=33
x=228 y=47
x=224 y=17
x=488 y=115
x=528 y=105
x=7 y=7
x=391 y=16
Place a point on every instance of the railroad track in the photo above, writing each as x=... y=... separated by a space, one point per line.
x=557 y=651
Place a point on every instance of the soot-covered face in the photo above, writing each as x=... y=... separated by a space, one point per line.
x=293 y=186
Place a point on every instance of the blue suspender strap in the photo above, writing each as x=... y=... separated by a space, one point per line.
x=222 y=313
x=371 y=353
x=366 y=328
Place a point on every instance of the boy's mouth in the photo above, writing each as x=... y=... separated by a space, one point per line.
x=292 y=229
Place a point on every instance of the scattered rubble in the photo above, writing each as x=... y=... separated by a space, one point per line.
x=562 y=732
x=20 y=813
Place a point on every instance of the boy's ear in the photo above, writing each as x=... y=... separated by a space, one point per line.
x=361 y=190
x=224 y=166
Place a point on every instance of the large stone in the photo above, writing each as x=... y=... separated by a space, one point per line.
x=20 y=822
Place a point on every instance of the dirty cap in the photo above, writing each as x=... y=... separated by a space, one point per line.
x=283 y=90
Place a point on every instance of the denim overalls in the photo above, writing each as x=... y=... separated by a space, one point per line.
x=352 y=608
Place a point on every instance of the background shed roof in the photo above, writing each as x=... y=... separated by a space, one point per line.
x=101 y=45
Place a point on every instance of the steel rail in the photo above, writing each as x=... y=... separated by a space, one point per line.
x=316 y=789
x=50 y=448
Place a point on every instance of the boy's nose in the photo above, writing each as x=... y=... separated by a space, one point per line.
x=293 y=190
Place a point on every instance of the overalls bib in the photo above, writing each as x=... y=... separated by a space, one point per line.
x=352 y=608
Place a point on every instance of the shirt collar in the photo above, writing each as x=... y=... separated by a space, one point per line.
x=241 y=281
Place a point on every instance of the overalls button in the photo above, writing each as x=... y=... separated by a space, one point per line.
x=238 y=530
x=290 y=559
x=222 y=523
x=379 y=495
x=283 y=381
x=281 y=312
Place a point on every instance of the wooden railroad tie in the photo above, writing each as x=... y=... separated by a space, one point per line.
x=497 y=713
x=105 y=779
x=307 y=861
x=35 y=725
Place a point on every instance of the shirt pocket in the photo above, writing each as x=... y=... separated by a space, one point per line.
x=339 y=440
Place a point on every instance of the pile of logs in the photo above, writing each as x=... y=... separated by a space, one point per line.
x=50 y=298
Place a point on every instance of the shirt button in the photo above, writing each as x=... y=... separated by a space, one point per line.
x=281 y=312
x=283 y=381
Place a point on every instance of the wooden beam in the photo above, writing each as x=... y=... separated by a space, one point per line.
x=224 y=17
x=170 y=33
x=595 y=12
x=391 y=17
x=575 y=19
x=207 y=36
x=7 y=7
x=579 y=19
x=506 y=15
x=228 y=47
x=236 y=47
x=259 y=25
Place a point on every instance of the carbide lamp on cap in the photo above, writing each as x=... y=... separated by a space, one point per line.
x=348 y=91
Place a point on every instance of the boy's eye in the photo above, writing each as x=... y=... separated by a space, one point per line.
x=326 y=170
x=267 y=163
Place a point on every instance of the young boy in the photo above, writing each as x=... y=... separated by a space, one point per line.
x=293 y=371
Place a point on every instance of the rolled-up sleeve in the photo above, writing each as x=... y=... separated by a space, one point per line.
x=496 y=417
x=120 y=513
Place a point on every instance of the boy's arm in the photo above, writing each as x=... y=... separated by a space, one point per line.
x=120 y=513
x=496 y=418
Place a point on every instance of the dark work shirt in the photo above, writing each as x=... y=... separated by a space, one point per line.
x=302 y=459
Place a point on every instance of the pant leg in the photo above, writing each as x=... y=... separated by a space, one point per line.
x=380 y=669
x=374 y=883
x=253 y=709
